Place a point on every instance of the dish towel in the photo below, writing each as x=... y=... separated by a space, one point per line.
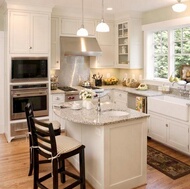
x=140 y=104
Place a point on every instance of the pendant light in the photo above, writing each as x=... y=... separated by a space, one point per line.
x=102 y=26
x=82 y=31
x=179 y=7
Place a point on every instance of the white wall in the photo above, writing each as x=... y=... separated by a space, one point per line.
x=2 y=81
x=163 y=14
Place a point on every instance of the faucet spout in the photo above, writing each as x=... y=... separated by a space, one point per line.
x=99 y=107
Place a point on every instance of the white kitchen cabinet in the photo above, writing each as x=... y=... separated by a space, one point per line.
x=71 y=26
x=107 y=45
x=106 y=60
x=129 y=44
x=120 y=98
x=29 y=32
x=171 y=132
x=57 y=99
x=106 y=38
x=55 y=44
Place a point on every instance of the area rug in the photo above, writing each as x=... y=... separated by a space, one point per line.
x=166 y=164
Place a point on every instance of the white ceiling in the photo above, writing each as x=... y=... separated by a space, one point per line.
x=118 y=5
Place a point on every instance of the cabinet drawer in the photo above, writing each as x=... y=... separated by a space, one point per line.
x=18 y=129
x=121 y=96
x=58 y=98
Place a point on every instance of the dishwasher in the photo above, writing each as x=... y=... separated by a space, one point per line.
x=137 y=102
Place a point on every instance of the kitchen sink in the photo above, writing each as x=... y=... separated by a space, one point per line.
x=170 y=106
x=115 y=113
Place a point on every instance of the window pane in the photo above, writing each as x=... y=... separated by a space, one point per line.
x=161 y=67
x=179 y=61
x=186 y=33
x=161 y=54
x=177 y=47
x=186 y=47
x=177 y=35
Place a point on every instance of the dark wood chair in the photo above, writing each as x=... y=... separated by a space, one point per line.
x=56 y=128
x=57 y=149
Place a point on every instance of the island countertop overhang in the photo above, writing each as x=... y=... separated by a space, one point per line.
x=95 y=118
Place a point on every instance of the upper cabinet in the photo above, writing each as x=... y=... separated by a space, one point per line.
x=107 y=44
x=29 y=32
x=55 y=44
x=129 y=44
x=71 y=26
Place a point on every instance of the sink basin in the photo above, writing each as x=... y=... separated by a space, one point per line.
x=115 y=113
x=170 y=106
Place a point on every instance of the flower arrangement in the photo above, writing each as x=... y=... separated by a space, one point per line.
x=87 y=94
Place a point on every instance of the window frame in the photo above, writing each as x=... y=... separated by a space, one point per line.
x=149 y=29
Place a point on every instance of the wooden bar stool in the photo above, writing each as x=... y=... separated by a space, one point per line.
x=56 y=128
x=56 y=149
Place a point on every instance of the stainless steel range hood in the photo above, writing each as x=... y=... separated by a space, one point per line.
x=79 y=46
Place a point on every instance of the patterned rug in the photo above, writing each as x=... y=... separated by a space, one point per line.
x=166 y=164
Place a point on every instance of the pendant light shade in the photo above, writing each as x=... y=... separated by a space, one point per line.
x=102 y=26
x=179 y=7
x=82 y=31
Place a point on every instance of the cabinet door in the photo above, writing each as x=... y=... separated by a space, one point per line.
x=178 y=135
x=90 y=26
x=19 y=32
x=120 y=98
x=55 y=44
x=107 y=38
x=40 y=33
x=57 y=99
x=105 y=60
x=157 y=128
x=69 y=26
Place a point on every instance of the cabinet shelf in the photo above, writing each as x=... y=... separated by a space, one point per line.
x=122 y=54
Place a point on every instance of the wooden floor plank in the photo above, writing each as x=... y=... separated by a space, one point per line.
x=14 y=162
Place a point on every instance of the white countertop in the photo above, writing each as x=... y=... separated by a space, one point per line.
x=93 y=117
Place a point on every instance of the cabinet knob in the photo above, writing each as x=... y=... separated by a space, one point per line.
x=30 y=48
x=57 y=61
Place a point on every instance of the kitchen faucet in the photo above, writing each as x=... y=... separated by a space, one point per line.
x=99 y=103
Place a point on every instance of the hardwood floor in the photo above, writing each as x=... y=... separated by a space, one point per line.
x=14 y=162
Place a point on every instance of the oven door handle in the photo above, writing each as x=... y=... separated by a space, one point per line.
x=29 y=94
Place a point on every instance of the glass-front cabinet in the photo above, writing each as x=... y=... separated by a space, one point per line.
x=123 y=55
x=129 y=44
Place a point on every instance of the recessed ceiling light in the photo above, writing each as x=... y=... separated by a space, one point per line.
x=109 y=8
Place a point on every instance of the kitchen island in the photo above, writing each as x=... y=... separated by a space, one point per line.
x=116 y=146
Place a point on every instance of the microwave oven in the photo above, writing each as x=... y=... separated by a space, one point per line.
x=29 y=69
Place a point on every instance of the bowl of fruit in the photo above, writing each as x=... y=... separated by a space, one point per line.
x=110 y=81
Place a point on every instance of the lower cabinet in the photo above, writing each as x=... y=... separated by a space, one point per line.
x=171 y=132
x=120 y=98
x=57 y=99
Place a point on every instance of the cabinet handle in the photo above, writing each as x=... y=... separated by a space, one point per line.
x=57 y=98
x=30 y=48
x=166 y=125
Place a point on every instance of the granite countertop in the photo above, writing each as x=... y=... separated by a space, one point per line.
x=118 y=87
x=92 y=117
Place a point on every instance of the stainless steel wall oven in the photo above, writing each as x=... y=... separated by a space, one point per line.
x=36 y=94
